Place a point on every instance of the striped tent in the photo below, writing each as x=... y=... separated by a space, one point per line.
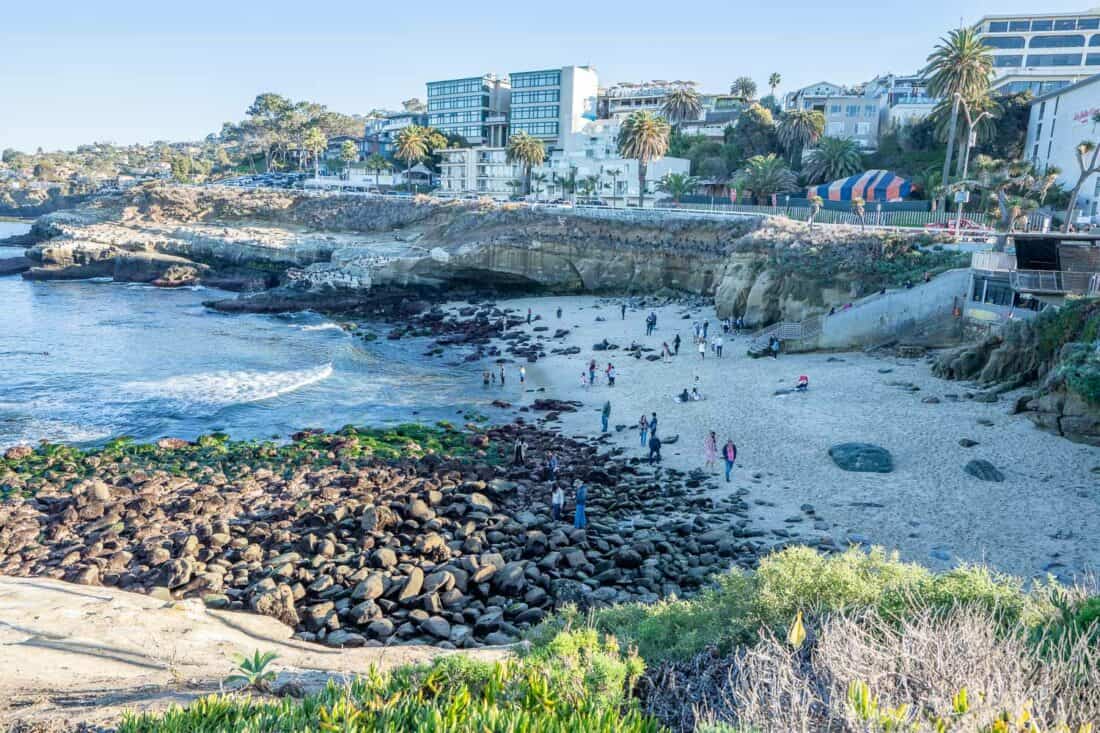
x=869 y=185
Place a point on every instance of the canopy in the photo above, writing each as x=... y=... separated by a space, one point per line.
x=869 y=185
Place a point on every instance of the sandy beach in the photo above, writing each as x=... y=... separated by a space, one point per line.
x=1041 y=519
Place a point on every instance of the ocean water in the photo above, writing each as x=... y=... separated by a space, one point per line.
x=86 y=361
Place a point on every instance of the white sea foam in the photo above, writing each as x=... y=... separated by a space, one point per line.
x=322 y=327
x=220 y=389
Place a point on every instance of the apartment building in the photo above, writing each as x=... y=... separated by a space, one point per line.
x=620 y=100
x=1058 y=123
x=551 y=103
x=484 y=171
x=853 y=114
x=907 y=97
x=380 y=133
x=474 y=107
x=1042 y=53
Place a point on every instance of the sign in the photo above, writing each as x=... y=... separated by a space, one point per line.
x=962 y=197
x=1086 y=114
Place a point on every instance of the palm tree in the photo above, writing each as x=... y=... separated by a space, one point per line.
x=643 y=136
x=614 y=174
x=589 y=184
x=377 y=164
x=677 y=185
x=743 y=87
x=859 y=209
x=798 y=129
x=682 y=104
x=833 y=158
x=349 y=153
x=928 y=181
x=528 y=151
x=412 y=147
x=765 y=175
x=315 y=143
x=774 y=81
x=958 y=68
x=538 y=181
x=816 y=202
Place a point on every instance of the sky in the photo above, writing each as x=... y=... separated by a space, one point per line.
x=120 y=71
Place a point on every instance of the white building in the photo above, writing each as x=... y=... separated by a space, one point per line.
x=1042 y=53
x=552 y=103
x=483 y=171
x=625 y=98
x=1059 y=122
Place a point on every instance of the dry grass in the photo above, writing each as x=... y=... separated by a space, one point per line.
x=921 y=663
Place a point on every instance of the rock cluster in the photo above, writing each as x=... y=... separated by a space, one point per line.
x=357 y=551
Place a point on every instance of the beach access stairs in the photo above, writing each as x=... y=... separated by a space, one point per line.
x=873 y=320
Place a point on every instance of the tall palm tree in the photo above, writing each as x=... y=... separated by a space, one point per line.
x=774 y=81
x=613 y=174
x=589 y=184
x=798 y=129
x=677 y=185
x=529 y=152
x=765 y=175
x=959 y=67
x=743 y=87
x=315 y=143
x=833 y=158
x=412 y=147
x=643 y=136
x=682 y=104
x=538 y=182
x=376 y=164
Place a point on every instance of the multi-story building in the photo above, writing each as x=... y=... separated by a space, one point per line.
x=474 y=107
x=484 y=171
x=907 y=97
x=1058 y=123
x=812 y=97
x=1041 y=53
x=380 y=133
x=552 y=103
x=620 y=100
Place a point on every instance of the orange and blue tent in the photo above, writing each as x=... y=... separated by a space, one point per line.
x=870 y=186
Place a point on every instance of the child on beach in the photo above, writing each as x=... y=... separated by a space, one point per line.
x=710 y=450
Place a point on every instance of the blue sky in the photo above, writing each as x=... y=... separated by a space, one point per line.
x=139 y=71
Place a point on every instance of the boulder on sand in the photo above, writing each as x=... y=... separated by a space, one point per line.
x=984 y=470
x=862 y=457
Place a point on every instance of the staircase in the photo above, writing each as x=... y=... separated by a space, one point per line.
x=796 y=332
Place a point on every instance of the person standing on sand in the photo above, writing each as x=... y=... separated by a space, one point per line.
x=584 y=381
x=559 y=312
x=718 y=346
x=706 y=325
x=522 y=374
x=643 y=428
x=729 y=454
x=702 y=348
x=605 y=415
x=581 y=498
x=528 y=316
x=775 y=347
x=710 y=450
x=654 y=449
x=551 y=466
x=610 y=375
x=622 y=310
x=485 y=377
x=666 y=353
x=557 y=501
x=501 y=375
x=676 y=344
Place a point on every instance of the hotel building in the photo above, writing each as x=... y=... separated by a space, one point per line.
x=1041 y=53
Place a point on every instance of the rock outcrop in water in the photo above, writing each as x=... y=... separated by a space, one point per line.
x=332 y=251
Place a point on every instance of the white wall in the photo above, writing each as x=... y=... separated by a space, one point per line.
x=1056 y=126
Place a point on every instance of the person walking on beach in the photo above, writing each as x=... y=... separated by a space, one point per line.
x=676 y=344
x=519 y=453
x=666 y=353
x=591 y=372
x=706 y=325
x=501 y=375
x=775 y=347
x=610 y=375
x=581 y=498
x=729 y=454
x=654 y=449
x=557 y=501
x=710 y=450
x=528 y=316
x=702 y=348
x=643 y=428
x=605 y=415
x=584 y=380
x=718 y=346
x=653 y=424
x=622 y=310
x=559 y=312
x=551 y=466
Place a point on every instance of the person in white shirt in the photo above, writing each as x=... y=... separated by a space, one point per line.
x=557 y=501
x=718 y=346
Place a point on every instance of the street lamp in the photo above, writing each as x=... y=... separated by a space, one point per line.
x=971 y=139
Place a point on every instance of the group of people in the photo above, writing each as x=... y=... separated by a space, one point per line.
x=490 y=376
x=580 y=500
x=589 y=376
x=650 y=323
x=710 y=453
x=647 y=428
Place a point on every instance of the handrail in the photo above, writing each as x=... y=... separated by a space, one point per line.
x=1052 y=281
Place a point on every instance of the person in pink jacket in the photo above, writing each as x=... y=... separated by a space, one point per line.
x=729 y=454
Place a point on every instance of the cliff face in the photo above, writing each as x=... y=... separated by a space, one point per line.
x=344 y=245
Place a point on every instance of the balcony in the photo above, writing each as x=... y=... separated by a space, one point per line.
x=1054 y=282
x=993 y=261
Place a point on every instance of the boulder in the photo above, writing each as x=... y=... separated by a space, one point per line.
x=984 y=470
x=862 y=457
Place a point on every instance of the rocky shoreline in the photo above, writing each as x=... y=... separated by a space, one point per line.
x=354 y=545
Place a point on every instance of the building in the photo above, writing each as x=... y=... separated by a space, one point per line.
x=1059 y=121
x=620 y=100
x=474 y=108
x=483 y=171
x=812 y=97
x=907 y=98
x=552 y=103
x=1041 y=53
x=335 y=146
x=380 y=133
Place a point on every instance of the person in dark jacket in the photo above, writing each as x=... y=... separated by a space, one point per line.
x=605 y=415
x=581 y=498
x=676 y=344
x=654 y=449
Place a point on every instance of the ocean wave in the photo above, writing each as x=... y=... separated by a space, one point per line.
x=221 y=389
x=322 y=327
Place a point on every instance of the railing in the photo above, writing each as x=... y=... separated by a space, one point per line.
x=1094 y=286
x=993 y=261
x=786 y=331
x=1053 y=281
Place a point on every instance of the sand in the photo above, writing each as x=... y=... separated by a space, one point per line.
x=1042 y=519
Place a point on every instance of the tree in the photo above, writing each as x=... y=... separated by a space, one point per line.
x=529 y=152
x=765 y=175
x=181 y=168
x=774 y=81
x=928 y=183
x=755 y=133
x=833 y=158
x=677 y=185
x=959 y=67
x=798 y=129
x=1088 y=163
x=411 y=147
x=743 y=87
x=589 y=184
x=221 y=157
x=377 y=165
x=349 y=152
x=613 y=174
x=315 y=143
x=1009 y=130
x=1014 y=187
x=538 y=183
x=682 y=104
x=643 y=136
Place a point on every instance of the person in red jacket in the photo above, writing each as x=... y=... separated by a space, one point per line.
x=729 y=454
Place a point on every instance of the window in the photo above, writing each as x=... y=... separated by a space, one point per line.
x=545 y=95
x=538 y=129
x=836 y=128
x=1008 y=60
x=473 y=101
x=1094 y=40
x=536 y=79
x=459 y=86
x=1039 y=131
x=868 y=110
x=1054 y=59
x=863 y=128
x=1057 y=41
x=1042 y=25
x=852 y=110
x=1088 y=24
x=834 y=109
x=1092 y=59
x=997 y=26
x=1042 y=109
x=535 y=113
x=1065 y=24
x=1004 y=42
